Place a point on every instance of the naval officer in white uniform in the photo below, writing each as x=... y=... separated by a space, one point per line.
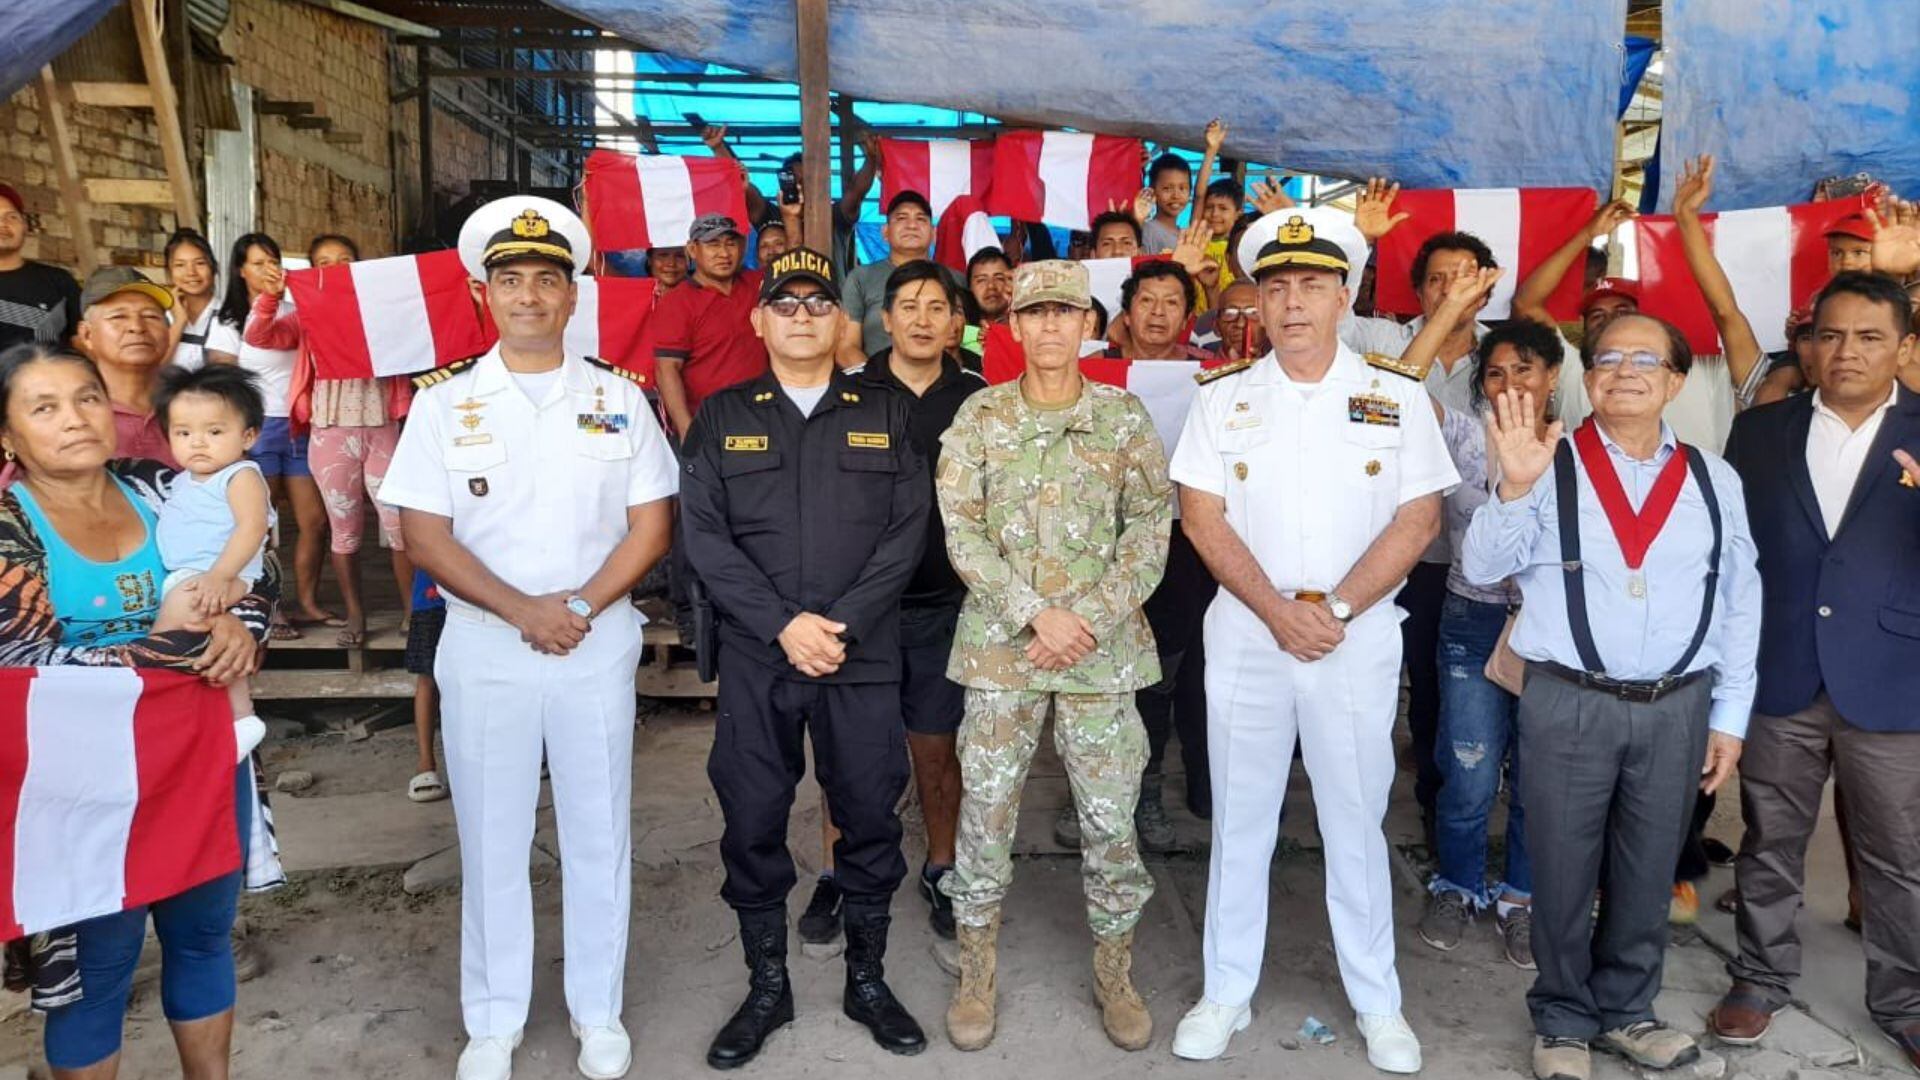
x=535 y=487
x=1310 y=482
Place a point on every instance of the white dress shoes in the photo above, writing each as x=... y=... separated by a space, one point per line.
x=488 y=1059
x=1391 y=1045
x=1204 y=1032
x=605 y=1052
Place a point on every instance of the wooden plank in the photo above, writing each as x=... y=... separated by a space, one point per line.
x=166 y=107
x=131 y=192
x=343 y=138
x=816 y=136
x=53 y=114
x=271 y=685
x=270 y=107
x=113 y=95
x=378 y=18
x=310 y=123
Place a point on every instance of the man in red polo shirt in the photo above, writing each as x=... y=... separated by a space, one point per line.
x=703 y=339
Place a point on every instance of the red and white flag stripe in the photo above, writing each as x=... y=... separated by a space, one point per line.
x=1062 y=178
x=612 y=322
x=648 y=200
x=965 y=229
x=1774 y=257
x=940 y=169
x=1165 y=387
x=1522 y=226
x=390 y=316
x=116 y=790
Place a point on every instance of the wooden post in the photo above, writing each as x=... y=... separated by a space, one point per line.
x=53 y=112
x=810 y=42
x=424 y=77
x=166 y=108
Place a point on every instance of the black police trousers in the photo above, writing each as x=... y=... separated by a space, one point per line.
x=1176 y=612
x=860 y=757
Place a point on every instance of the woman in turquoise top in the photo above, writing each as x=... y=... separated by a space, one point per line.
x=80 y=584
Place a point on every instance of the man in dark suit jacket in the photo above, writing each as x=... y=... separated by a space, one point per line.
x=1833 y=492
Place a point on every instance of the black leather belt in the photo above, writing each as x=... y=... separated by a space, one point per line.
x=1644 y=691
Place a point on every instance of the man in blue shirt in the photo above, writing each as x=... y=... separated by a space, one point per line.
x=1640 y=677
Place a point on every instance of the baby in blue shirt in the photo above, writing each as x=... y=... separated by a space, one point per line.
x=213 y=530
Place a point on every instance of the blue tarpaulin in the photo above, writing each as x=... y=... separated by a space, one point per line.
x=1435 y=93
x=1786 y=92
x=33 y=32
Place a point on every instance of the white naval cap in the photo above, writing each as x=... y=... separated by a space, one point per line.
x=523 y=226
x=1328 y=223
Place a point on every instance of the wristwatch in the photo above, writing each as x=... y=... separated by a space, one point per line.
x=1340 y=608
x=579 y=606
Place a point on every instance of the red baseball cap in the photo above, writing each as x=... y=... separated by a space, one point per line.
x=1853 y=225
x=1611 y=286
x=12 y=195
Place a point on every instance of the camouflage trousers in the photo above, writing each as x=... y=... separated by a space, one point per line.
x=1104 y=747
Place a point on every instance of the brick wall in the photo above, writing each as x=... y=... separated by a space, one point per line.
x=117 y=143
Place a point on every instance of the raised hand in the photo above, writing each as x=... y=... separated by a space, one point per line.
x=1373 y=212
x=1523 y=453
x=1216 y=135
x=715 y=136
x=1695 y=188
x=1143 y=205
x=1896 y=237
x=870 y=141
x=1608 y=218
x=1469 y=291
x=1191 y=249
x=1270 y=195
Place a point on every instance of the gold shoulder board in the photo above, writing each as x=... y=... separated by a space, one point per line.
x=1221 y=372
x=630 y=376
x=1394 y=364
x=442 y=374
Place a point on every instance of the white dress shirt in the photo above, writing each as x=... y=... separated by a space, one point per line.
x=1835 y=454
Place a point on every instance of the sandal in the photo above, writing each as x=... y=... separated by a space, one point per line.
x=325 y=618
x=426 y=787
x=350 y=638
x=283 y=631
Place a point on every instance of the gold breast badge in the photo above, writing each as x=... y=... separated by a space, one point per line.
x=1373 y=468
x=1239 y=470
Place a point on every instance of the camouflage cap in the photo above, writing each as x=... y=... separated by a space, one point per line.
x=1052 y=281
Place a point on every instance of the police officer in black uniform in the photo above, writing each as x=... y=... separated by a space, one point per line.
x=805 y=509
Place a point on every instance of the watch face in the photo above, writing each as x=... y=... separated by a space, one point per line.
x=580 y=607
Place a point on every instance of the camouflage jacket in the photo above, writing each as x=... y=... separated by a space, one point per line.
x=1069 y=509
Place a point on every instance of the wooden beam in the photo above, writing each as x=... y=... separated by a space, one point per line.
x=816 y=136
x=310 y=123
x=113 y=95
x=267 y=106
x=339 y=138
x=53 y=114
x=425 y=104
x=378 y=18
x=130 y=192
x=844 y=119
x=166 y=107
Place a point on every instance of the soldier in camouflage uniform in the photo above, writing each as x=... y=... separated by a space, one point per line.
x=1054 y=492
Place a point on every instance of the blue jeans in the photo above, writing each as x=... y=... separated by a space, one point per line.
x=196 y=963
x=1477 y=737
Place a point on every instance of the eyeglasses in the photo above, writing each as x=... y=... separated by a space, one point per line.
x=1640 y=361
x=1227 y=313
x=787 y=305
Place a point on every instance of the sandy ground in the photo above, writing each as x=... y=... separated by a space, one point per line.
x=362 y=976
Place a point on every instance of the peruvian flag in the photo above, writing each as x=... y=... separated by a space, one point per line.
x=649 y=200
x=940 y=169
x=1521 y=225
x=1165 y=387
x=1062 y=178
x=1775 y=257
x=391 y=316
x=611 y=322
x=116 y=790
x=964 y=230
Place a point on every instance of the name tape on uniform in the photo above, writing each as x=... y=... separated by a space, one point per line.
x=746 y=442
x=873 y=440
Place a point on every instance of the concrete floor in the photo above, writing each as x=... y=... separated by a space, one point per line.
x=363 y=974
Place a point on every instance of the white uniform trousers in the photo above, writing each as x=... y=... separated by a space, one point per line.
x=501 y=703
x=1342 y=709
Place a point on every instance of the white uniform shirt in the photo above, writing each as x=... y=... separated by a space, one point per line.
x=1309 y=481
x=538 y=491
x=1835 y=454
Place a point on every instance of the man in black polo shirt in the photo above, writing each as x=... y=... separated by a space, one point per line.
x=920 y=301
x=38 y=302
x=805 y=510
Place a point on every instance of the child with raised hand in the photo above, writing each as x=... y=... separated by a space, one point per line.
x=213 y=529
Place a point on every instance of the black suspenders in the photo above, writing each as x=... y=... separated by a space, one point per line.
x=1572 y=574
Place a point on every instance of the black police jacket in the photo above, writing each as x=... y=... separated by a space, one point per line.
x=785 y=513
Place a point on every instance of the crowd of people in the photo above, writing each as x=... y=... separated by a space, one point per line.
x=1610 y=572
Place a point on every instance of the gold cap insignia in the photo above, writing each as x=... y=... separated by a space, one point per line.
x=530 y=225
x=1295 y=231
